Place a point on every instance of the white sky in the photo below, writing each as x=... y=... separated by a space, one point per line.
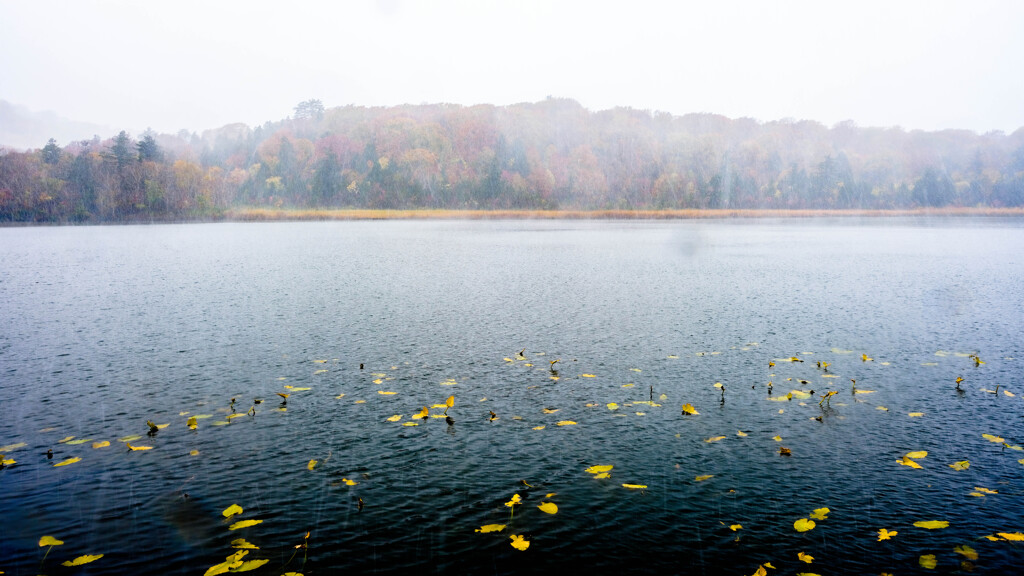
x=173 y=64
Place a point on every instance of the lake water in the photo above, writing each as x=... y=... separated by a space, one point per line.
x=104 y=328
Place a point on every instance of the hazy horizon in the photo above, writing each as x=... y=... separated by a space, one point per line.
x=187 y=65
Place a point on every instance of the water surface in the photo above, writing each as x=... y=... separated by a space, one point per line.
x=105 y=328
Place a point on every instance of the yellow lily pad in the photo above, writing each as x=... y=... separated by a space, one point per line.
x=884 y=534
x=490 y=528
x=548 y=507
x=565 y=423
x=927 y=561
x=519 y=543
x=244 y=524
x=635 y=486
x=803 y=525
x=85 y=559
x=68 y=461
x=232 y=510
x=714 y=439
x=820 y=513
x=931 y=524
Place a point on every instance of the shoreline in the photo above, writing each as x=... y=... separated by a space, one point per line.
x=285 y=215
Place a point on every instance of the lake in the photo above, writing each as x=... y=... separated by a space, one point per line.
x=106 y=328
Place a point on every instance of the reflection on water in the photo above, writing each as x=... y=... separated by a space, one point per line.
x=107 y=328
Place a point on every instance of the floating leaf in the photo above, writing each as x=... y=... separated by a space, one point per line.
x=882 y=408
x=864 y=391
x=490 y=528
x=232 y=561
x=908 y=462
x=915 y=414
x=548 y=507
x=800 y=394
x=410 y=423
x=741 y=433
x=68 y=461
x=917 y=454
x=966 y=551
x=689 y=409
x=11 y=447
x=79 y=441
x=588 y=376
x=599 y=469
x=1012 y=536
x=244 y=524
x=820 y=513
x=565 y=423
x=777 y=438
x=985 y=490
x=191 y=423
x=65 y=439
x=386 y=392
x=538 y=427
x=249 y=565
x=135 y=448
x=613 y=406
x=82 y=560
x=635 y=486
x=193 y=453
x=519 y=543
x=703 y=477
x=961 y=465
x=242 y=544
x=805 y=557
x=931 y=524
x=884 y=534
x=735 y=527
x=992 y=438
x=803 y=525
x=232 y=510
x=102 y=444
x=129 y=438
x=49 y=541
x=311 y=465
x=395 y=418
x=714 y=439
x=927 y=561
x=423 y=413
x=349 y=482
x=516 y=499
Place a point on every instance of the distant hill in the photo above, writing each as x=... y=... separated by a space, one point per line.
x=24 y=129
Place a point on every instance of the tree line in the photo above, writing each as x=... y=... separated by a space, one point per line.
x=552 y=154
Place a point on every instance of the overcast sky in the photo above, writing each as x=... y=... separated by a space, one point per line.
x=173 y=64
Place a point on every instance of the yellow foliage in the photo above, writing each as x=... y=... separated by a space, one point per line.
x=820 y=513
x=735 y=527
x=241 y=543
x=703 y=477
x=68 y=461
x=961 y=465
x=927 y=561
x=908 y=462
x=244 y=524
x=714 y=439
x=689 y=409
x=519 y=543
x=395 y=418
x=992 y=438
x=102 y=444
x=966 y=551
x=741 y=433
x=565 y=423
x=613 y=406
x=50 y=541
x=82 y=560
x=635 y=486
x=311 y=465
x=490 y=528
x=137 y=448
x=1012 y=536
x=917 y=454
x=803 y=525
x=805 y=557
x=548 y=507
x=232 y=510
x=931 y=524
x=884 y=534
x=915 y=414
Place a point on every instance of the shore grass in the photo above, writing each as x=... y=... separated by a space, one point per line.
x=253 y=214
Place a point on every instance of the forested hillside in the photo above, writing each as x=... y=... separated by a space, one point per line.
x=552 y=154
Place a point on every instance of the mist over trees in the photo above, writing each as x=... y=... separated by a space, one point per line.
x=552 y=154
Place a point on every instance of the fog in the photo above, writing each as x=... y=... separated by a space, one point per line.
x=193 y=65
